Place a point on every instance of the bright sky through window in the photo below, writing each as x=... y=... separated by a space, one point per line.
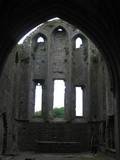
x=78 y=42
x=79 y=101
x=38 y=97
x=60 y=29
x=59 y=93
x=40 y=39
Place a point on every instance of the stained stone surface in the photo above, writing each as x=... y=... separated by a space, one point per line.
x=71 y=156
x=55 y=58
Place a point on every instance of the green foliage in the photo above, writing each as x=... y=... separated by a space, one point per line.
x=58 y=112
x=38 y=114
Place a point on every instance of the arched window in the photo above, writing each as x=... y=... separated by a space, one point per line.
x=59 y=29
x=38 y=99
x=40 y=39
x=59 y=39
x=59 y=98
x=39 y=42
x=79 y=101
x=78 y=42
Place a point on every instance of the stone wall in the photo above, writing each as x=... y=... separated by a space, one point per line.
x=6 y=101
x=54 y=137
x=56 y=57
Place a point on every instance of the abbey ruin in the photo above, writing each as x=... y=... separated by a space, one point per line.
x=51 y=53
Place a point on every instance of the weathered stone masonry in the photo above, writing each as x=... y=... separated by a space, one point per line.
x=56 y=58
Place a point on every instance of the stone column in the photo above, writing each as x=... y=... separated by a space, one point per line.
x=69 y=88
x=117 y=124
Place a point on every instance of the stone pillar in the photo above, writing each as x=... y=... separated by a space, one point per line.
x=69 y=88
x=93 y=83
x=1 y=133
x=49 y=111
x=49 y=84
x=24 y=88
x=44 y=101
x=73 y=101
x=68 y=101
x=117 y=124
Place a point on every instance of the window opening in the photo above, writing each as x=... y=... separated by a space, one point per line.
x=38 y=99
x=26 y=35
x=16 y=58
x=78 y=42
x=79 y=101
x=60 y=30
x=40 y=40
x=59 y=96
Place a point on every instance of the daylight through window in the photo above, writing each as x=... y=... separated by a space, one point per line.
x=78 y=42
x=40 y=40
x=38 y=99
x=59 y=96
x=79 y=101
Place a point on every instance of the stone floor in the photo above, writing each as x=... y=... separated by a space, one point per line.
x=74 y=156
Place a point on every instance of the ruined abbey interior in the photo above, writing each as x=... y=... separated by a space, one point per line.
x=56 y=50
x=61 y=51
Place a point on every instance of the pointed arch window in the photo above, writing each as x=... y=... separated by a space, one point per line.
x=40 y=39
x=60 y=30
x=78 y=42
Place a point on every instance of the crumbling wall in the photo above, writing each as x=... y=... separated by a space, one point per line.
x=54 y=58
x=101 y=100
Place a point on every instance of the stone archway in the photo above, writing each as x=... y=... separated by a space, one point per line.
x=95 y=28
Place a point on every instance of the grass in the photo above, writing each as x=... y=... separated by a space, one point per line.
x=57 y=113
